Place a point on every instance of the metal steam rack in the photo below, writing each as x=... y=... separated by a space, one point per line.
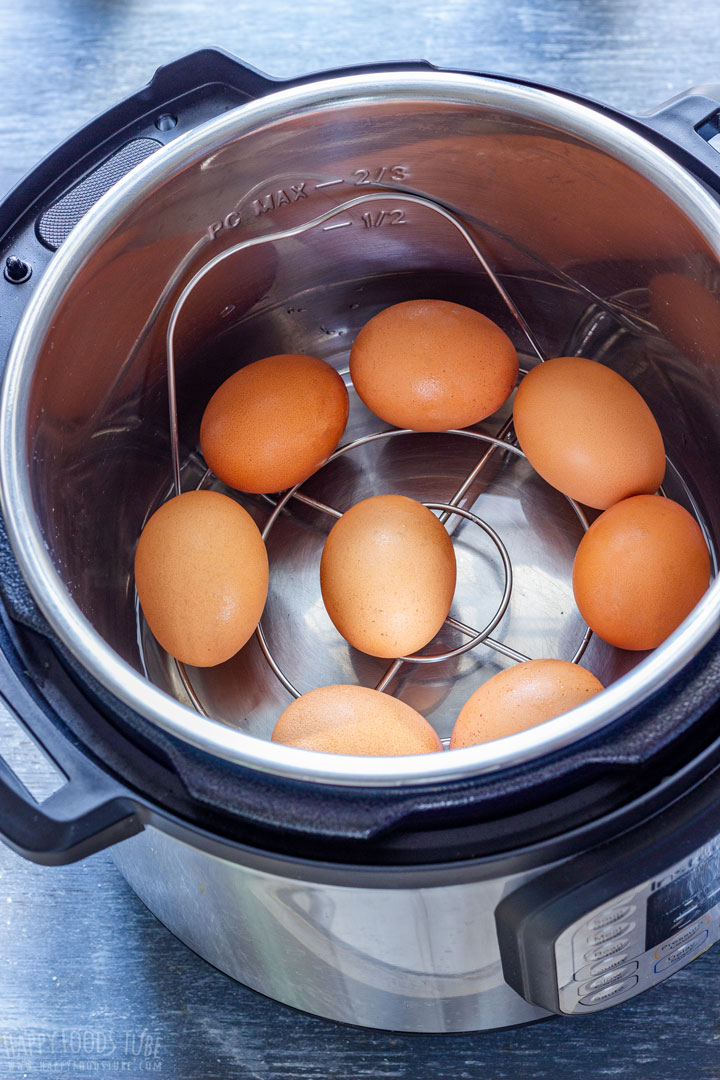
x=502 y=441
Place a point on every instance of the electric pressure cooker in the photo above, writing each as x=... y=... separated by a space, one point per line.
x=560 y=870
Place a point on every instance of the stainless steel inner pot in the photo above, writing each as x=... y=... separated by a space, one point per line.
x=607 y=245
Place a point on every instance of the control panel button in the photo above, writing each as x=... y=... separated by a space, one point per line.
x=611 y=915
x=680 y=953
x=610 y=948
x=610 y=962
x=608 y=992
x=601 y=966
x=681 y=938
x=608 y=978
x=608 y=933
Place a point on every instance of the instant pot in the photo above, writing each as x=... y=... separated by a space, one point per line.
x=561 y=870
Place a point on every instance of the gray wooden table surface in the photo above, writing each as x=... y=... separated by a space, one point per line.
x=90 y=982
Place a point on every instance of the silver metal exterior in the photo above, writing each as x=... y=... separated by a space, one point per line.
x=422 y=960
x=580 y=216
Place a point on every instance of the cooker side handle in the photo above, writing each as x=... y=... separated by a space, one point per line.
x=89 y=811
x=76 y=821
x=690 y=122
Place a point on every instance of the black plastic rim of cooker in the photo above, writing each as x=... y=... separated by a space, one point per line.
x=124 y=773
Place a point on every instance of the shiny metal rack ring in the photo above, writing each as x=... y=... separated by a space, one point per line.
x=502 y=440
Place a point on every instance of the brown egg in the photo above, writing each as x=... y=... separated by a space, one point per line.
x=387 y=575
x=639 y=570
x=201 y=573
x=273 y=423
x=431 y=365
x=355 y=720
x=688 y=314
x=520 y=697
x=588 y=432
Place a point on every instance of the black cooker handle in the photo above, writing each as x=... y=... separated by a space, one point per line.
x=82 y=817
x=88 y=812
x=690 y=122
x=180 y=95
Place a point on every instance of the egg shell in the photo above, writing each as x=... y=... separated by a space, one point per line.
x=272 y=424
x=355 y=720
x=639 y=570
x=387 y=575
x=430 y=365
x=201 y=573
x=588 y=432
x=521 y=697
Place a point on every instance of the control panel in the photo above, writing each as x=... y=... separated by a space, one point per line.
x=619 y=917
x=640 y=938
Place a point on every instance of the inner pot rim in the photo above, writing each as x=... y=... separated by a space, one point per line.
x=78 y=634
